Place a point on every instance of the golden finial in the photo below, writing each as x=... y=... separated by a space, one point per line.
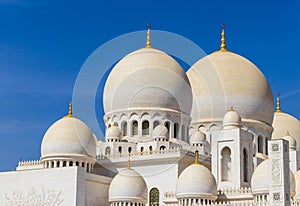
x=148 y=43
x=288 y=133
x=223 y=40
x=128 y=163
x=196 y=158
x=231 y=108
x=278 y=107
x=70 y=113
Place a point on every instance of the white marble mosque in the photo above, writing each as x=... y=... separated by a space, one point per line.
x=208 y=136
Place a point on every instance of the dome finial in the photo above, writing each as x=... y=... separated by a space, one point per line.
x=231 y=108
x=128 y=163
x=196 y=158
x=288 y=133
x=70 y=113
x=223 y=40
x=148 y=43
x=278 y=107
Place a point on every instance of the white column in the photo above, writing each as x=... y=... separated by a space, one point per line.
x=279 y=173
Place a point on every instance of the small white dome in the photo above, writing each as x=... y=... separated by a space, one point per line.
x=160 y=131
x=197 y=137
x=196 y=181
x=292 y=141
x=231 y=119
x=69 y=136
x=128 y=186
x=147 y=78
x=114 y=133
x=260 y=179
x=223 y=79
x=284 y=122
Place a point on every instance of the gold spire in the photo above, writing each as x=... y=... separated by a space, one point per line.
x=148 y=43
x=278 y=107
x=288 y=133
x=196 y=158
x=70 y=113
x=231 y=108
x=223 y=40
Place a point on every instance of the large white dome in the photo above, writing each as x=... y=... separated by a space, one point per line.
x=196 y=181
x=224 y=79
x=69 y=136
x=260 y=179
x=284 y=123
x=147 y=78
x=128 y=186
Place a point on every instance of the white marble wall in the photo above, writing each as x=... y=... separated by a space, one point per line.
x=56 y=187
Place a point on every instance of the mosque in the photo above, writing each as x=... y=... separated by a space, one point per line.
x=208 y=136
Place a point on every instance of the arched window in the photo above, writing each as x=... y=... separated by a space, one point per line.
x=120 y=149
x=150 y=149
x=226 y=164
x=154 y=197
x=155 y=123
x=124 y=128
x=107 y=151
x=134 y=128
x=145 y=128
x=142 y=150
x=71 y=164
x=64 y=163
x=245 y=165
x=260 y=144
x=167 y=125
x=183 y=132
x=162 y=148
x=129 y=150
x=77 y=164
x=266 y=143
x=176 y=130
x=57 y=164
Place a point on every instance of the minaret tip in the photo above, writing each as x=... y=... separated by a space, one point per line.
x=278 y=107
x=128 y=163
x=148 y=42
x=196 y=158
x=223 y=40
x=70 y=113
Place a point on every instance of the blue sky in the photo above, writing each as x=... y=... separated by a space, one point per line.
x=43 y=45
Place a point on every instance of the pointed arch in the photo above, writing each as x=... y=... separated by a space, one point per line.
x=226 y=171
x=260 y=144
x=245 y=165
x=176 y=130
x=145 y=127
x=124 y=128
x=134 y=128
x=154 y=197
